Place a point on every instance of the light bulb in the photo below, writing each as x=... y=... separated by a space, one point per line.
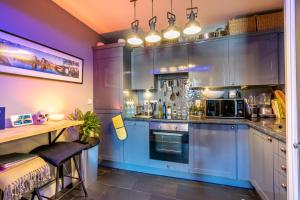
x=153 y=37
x=192 y=28
x=134 y=40
x=171 y=33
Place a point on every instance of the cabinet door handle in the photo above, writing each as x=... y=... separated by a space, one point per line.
x=283 y=185
x=283 y=150
x=283 y=167
x=232 y=127
x=269 y=139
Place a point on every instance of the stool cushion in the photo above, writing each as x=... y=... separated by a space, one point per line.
x=58 y=152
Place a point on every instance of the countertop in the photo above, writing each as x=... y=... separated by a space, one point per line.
x=273 y=127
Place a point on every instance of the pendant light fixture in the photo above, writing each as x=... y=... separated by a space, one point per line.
x=134 y=39
x=172 y=32
x=153 y=36
x=192 y=27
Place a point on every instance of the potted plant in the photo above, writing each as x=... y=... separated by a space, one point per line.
x=89 y=130
x=89 y=133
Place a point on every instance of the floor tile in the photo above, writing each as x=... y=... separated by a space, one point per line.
x=124 y=194
x=114 y=184
x=121 y=180
x=158 y=186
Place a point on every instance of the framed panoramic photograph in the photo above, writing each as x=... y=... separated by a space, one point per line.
x=24 y=57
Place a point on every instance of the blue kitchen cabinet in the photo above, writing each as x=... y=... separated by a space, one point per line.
x=209 y=63
x=142 y=76
x=243 y=157
x=213 y=150
x=110 y=148
x=136 y=146
x=261 y=163
x=281 y=58
x=171 y=59
x=253 y=59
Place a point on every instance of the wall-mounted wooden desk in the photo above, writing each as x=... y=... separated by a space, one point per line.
x=12 y=134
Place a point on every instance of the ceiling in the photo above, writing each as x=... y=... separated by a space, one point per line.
x=105 y=16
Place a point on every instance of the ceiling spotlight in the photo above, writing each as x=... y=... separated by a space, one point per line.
x=192 y=27
x=153 y=36
x=172 y=32
x=134 y=39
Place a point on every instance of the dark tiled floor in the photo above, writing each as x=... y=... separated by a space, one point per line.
x=115 y=184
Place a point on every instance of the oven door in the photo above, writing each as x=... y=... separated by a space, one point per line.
x=169 y=146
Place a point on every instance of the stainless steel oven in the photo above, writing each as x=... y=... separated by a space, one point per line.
x=169 y=142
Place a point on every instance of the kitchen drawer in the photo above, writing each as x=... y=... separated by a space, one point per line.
x=136 y=123
x=169 y=165
x=282 y=150
x=282 y=187
x=282 y=166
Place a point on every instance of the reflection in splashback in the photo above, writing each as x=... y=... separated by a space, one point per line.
x=183 y=95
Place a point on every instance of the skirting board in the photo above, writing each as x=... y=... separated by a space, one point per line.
x=177 y=174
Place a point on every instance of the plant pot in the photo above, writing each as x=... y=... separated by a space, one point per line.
x=89 y=159
x=90 y=143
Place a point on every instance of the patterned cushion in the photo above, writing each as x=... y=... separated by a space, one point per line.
x=58 y=152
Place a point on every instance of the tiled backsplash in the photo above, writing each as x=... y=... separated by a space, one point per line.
x=185 y=96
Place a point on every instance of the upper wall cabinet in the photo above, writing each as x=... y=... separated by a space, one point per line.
x=281 y=58
x=209 y=63
x=142 y=76
x=253 y=60
x=171 y=59
x=108 y=77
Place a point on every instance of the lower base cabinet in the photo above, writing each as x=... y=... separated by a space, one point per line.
x=136 y=146
x=280 y=171
x=110 y=148
x=228 y=151
x=213 y=150
x=268 y=166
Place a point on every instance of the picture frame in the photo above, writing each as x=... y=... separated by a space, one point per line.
x=21 y=120
x=21 y=56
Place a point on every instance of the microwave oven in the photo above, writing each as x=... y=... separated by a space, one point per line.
x=225 y=108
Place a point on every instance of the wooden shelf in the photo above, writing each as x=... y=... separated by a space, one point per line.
x=11 y=134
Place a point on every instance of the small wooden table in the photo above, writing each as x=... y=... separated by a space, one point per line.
x=12 y=134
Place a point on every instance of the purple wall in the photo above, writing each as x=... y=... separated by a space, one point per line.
x=45 y=22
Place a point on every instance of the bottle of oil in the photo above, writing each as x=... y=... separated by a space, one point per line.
x=164 y=111
x=169 y=111
x=160 y=110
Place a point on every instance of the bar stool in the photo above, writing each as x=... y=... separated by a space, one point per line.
x=57 y=154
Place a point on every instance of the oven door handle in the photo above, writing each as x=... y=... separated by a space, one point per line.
x=168 y=134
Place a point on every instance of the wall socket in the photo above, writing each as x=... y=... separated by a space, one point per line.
x=90 y=101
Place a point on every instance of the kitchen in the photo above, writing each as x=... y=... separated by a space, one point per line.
x=192 y=100
x=200 y=109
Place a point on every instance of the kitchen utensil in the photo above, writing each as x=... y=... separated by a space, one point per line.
x=172 y=97
x=212 y=94
x=178 y=88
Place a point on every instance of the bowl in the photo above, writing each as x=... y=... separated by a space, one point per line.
x=56 y=117
x=212 y=94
